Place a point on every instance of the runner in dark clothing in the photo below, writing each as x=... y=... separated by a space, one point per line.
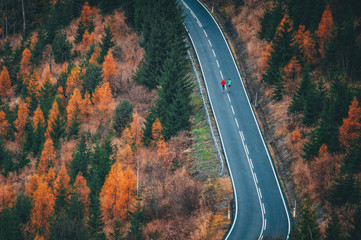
x=223 y=83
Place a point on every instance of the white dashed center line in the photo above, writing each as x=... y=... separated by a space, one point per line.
x=210 y=44
x=205 y=33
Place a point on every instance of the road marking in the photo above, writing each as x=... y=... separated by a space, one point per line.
x=260 y=193
x=256 y=177
x=193 y=14
x=209 y=42
x=221 y=74
x=232 y=109
x=236 y=122
x=247 y=152
x=214 y=54
x=199 y=23
x=264 y=209
x=205 y=33
x=265 y=224
x=217 y=63
x=229 y=99
x=242 y=136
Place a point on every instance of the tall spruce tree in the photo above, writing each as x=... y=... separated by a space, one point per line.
x=61 y=48
x=95 y=221
x=81 y=156
x=309 y=228
x=333 y=230
x=136 y=222
x=106 y=44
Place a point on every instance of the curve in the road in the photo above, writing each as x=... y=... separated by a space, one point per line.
x=241 y=135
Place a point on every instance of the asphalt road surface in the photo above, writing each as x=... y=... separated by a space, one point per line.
x=260 y=208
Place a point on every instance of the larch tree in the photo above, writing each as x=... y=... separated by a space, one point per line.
x=51 y=177
x=73 y=81
x=38 y=118
x=21 y=121
x=74 y=105
x=306 y=44
x=325 y=31
x=109 y=67
x=103 y=99
x=81 y=187
x=44 y=202
x=3 y=124
x=33 y=83
x=47 y=158
x=53 y=115
x=87 y=107
x=5 y=84
x=350 y=129
x=86 y=15
x=7 y=195
x=88 y=39
x=118 y=192
x=33 y=185
x=25 y=63
x=136 y=131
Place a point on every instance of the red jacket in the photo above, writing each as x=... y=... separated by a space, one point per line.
x=223 y=82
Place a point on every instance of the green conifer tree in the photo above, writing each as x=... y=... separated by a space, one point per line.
x=81 y=156
x=136 y=222
x=95 y=221
x=91 y=78
x=309 y=228
x=333 y=230
x=106 y=44
x=123 y=115
x=61 y=48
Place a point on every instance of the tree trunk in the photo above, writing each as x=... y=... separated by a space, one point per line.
x=6 y=18
x=23 y=10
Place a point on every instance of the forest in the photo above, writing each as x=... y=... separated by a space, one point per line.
x=101 y=130
x=305 y=61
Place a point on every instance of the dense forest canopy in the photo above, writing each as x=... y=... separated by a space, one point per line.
x=95 y=123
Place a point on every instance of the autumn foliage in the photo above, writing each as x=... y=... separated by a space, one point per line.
x=48 y=157
x=44 y=202
x=53 y=114
x=325 y=30
x=3 y=124
x=350 y=130
x=109 y=67
x=5 y=84
x=73 y=81
x=103 y=100
x=25 y=63
x=38 y=118
x=80 y=186
x=20 y=122
x=118 y=192
x=307 y=45
x=7 y=195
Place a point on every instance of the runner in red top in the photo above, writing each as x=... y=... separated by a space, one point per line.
x=223 y=83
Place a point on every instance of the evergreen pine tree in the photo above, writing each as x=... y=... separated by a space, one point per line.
x=6 y=162
x=37 y=51
x=298 y=99
x=38 y=140
x=270 y=21
x=147 y=130
x=123 y=115
x=106 y=44
x=117 y=233
x=309 y=228
x=136 y=222
x=355 y=231
x=281 y=53
x=333 y=230
x=46 y=97
x=80 y=160
x=95 y=221
x=91 y=78
x=279 y=87
x=74 y=127
x=61 y=48
x=344 y=190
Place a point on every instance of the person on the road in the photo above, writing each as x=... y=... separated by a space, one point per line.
x=223 y=83
x=229 y=83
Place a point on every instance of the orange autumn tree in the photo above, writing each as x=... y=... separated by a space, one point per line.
x=7 y=195
x=158 y=140
x=20 y=122
x=118 y=192
x=47 y=158
x=3 y=124
x=38 y=118
x=325 y=30
x=350 y=129
x=87 y=107
x=109 y=67
x=5 y=84
x=32 y=83
x=74 y=105
x=81 y=187
x=33 y=185
x=136 y=130
x=73 y=81
x=88 y=39
x=25 y=63
x=86 y=15
x=43 y=207
x=306 y=44
x=50 y=178
x=53 y=114
x=103 y=99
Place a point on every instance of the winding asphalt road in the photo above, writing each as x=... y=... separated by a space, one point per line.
x=260 y=208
